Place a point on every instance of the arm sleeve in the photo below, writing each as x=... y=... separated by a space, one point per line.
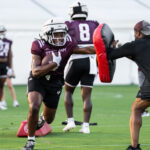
x=127 y=50
x=36 y=49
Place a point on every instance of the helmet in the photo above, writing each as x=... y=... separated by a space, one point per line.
x=78 y=10
x=54 y=31
x=2 y=31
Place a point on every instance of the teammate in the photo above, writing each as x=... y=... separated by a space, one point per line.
x=82 y=68
x=11 y=90
x=5 y=60
x=138 y=51
x=45 y=81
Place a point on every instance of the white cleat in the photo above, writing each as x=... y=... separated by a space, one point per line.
x=3 y=103
x=145 y=114
x=69 y=126
x=2 y=107
x=85 y=129
x=15 y=104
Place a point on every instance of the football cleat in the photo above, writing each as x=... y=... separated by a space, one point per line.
x=16 y=104
x=29 y=145
x=145 y=114
x=85 y=129
x=41 y=122
x=133 y=148
x=2 y=107
x=70 y=125
x=3 y=103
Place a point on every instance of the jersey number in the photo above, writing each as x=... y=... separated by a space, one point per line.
x=84 y=32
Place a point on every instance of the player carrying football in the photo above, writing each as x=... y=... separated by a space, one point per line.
x=46 y=80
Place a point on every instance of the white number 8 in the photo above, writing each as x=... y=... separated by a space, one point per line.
x=84 y=32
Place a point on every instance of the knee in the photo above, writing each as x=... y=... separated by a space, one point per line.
x=68 y=97
x=49 y=119
x=34 y=109
x=87 y=105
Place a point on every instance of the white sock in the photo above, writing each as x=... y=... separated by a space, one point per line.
x=31 y=138
x=70 y=119
x=86 y=124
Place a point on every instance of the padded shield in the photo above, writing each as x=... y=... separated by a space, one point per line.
x=102 y=39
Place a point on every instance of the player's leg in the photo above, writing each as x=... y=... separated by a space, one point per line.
x=3 y=76
x=71 y=80
x=2 y=81
x=68 y=101
x=12 y=92
x=136 y=120
x=3 y=100
x=87 y=103
x=35 y=100
x=36 y=94
x=50 y=104
x=86 y=91
x=141 y=102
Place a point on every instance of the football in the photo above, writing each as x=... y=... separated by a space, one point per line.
x=48 y=58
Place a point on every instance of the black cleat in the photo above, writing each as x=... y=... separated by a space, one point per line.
x=134 y=148
x=41 y=122
x=29 y=145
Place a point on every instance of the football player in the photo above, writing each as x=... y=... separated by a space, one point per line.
x=82 y=68
x=5 y=61
x=46 y=80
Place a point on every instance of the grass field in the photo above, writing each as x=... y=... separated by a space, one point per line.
x=111 y=110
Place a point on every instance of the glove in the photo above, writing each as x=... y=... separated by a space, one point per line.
x=9 y=72
x=57 y=59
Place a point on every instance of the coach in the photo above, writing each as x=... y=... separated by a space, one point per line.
x=139 y=52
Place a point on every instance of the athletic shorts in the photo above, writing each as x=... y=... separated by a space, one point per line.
x=50 y=87
x=3 y=70
x=144 y=92
x=78 y=71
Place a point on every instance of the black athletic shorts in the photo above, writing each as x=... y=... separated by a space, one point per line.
x=144 y=92
x=50 y=87
x=78 y=71
x=3 y=70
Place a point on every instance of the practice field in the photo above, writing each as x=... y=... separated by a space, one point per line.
x=111 y=110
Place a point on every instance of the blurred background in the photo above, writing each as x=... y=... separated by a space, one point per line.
x=24 y=18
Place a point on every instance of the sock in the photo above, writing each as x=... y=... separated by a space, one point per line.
x=31 y=138
x=70 y=119
x=86 y=124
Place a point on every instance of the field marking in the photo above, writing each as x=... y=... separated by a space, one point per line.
x=78 y=146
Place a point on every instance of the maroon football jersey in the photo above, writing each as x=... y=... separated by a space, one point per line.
x=82 y=30
x=5 y=46
x=42 y=48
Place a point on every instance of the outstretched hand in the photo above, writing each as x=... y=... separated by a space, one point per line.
x=114 y=43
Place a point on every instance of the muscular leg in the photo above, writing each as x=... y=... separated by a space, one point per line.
x=11 y=89
x=2 y=81
x=35 y=100
x=49 y=114
x=68 y=100
x=136 y=120
x=87 y=104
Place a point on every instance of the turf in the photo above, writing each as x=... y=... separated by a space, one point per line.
x=111 y=110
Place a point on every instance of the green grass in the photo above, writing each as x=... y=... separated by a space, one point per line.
x=111 y=110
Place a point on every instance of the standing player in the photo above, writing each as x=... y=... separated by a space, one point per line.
x=46 y=80
x=81 y=68
x=5 y=60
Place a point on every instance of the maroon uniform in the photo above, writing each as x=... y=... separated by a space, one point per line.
x=82 y=30
x=50 y=85
x=41 y=48
x=82 y=67
x=5 y=47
